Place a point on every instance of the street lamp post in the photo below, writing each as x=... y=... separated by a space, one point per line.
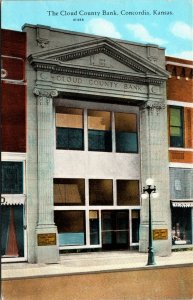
x=150 y=189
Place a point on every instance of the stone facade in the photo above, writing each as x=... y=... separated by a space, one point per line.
x=67 y=67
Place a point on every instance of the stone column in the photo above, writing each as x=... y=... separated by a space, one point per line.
x=46 y=231
x=154 y=164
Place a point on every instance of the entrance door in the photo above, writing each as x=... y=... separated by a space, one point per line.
x=12 y=231
x=115 y=229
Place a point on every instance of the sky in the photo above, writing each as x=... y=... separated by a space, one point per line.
x=167 y=23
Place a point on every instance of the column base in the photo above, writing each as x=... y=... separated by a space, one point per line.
x=47 y=248
x=161 y=247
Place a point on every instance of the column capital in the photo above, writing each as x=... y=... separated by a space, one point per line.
x=153 y=106
x=45 y=93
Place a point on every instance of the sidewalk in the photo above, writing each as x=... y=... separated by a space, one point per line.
x=94 y=262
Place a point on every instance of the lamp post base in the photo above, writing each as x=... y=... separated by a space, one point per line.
x=151 y=259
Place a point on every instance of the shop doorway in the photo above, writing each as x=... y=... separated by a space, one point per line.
x=115 y=229
x=13 y=232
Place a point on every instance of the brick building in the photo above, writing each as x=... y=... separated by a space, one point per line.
x=180 y=125
x=13 y=144
x=95 y=109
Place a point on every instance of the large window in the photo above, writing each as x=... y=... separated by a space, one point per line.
x=126 y=133
x=71 y=227
x=181 y=226
x=12 y=177
x=99 y=131
x=101 y=192
x=69 y=128
x=128 y=192
x=176 y=126
x=69 y=192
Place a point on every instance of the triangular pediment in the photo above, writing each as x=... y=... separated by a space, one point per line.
x=100 y=54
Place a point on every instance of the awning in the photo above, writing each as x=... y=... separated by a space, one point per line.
x=182 y=203
x=12 y=199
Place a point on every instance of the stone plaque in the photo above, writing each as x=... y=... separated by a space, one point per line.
x=46 y=239
x=160 y=234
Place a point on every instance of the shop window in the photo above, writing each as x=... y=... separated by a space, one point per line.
x=176 y=126
x=94 y=227
x=69 y=191
x=71 y=227
x=12 y=177
x=126 y=133
x=99 y=131
x=128 y=192
x=12 y=239
x=69 y=128
x=181 y=226
x=135 y=225
x=101 y=192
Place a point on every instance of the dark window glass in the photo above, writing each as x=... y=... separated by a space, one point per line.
x=135 y=225
x=69 y=191
x=101 y=192
x=99 y=131
x=12 y=177
x=176 y=127
x=94 y=227
x=128 y=192
x=126 y=133
x=69 y=129
x=71 y=227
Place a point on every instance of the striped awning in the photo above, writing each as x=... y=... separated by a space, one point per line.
x=182 y=203
x=12 y=199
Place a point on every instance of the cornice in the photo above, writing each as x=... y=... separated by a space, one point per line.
x=98 y=74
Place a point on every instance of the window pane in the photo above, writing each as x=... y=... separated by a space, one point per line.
x=69 y=192
x=99 y=131
x=135 y=225
x=128 y=192
x=175 y=117
x=101 y=192
x=71 y=227
x=94 y=227
x=12 y=177
x=175 y=131
x=126 y=133
x=69 y=128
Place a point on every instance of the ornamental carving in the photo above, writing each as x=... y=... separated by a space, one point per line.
x=153 y=106
x=45 y=96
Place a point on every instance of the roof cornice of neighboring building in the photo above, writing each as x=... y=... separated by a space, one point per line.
x=175 y=61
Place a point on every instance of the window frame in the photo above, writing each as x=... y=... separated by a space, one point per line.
x=181 y=127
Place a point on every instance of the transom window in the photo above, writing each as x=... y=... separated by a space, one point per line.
x=12 y=177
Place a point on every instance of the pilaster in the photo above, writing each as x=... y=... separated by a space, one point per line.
x=154 y=164
x=46 y=231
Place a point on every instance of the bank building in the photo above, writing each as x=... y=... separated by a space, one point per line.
x=85 y=124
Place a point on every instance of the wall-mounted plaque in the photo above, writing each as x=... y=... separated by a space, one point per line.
x=160 y=234
x=46 y=239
